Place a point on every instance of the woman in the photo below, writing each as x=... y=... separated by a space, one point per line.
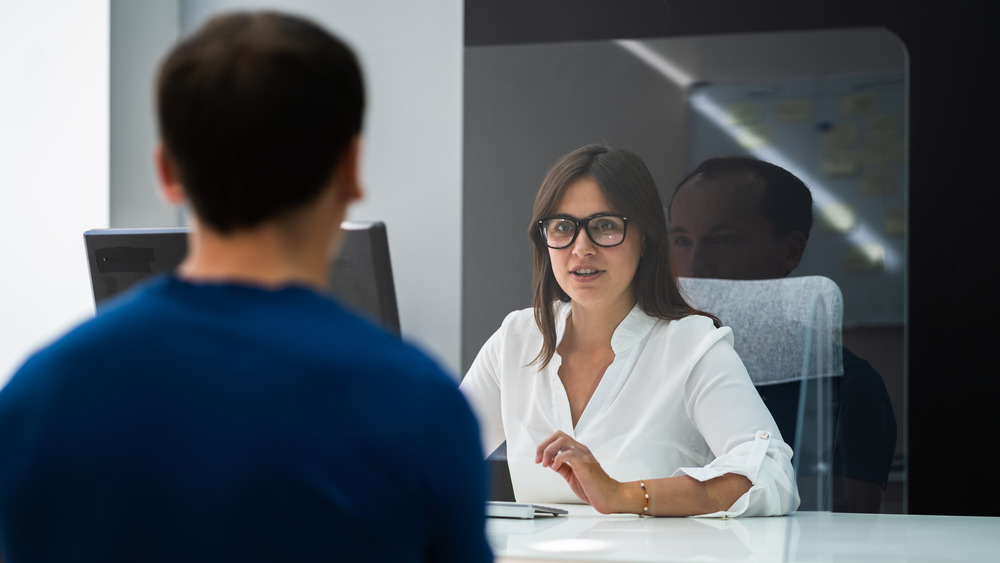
x=611 y=389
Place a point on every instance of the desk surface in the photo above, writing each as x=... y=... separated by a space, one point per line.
x=585 y=535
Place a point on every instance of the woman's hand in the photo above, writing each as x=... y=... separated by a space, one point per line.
x=574 y=462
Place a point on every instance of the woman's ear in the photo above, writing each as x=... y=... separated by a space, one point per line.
x=166 y=173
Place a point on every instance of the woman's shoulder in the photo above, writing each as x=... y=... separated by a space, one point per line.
x=517 y=327
x=690 y=340
x=692 y=330
x=525 y=318
x=519 y=319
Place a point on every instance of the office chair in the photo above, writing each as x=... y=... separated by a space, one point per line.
x=788 y=331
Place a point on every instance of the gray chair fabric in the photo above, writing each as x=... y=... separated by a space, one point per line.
x=784 y=329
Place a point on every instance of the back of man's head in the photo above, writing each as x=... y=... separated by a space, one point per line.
x=255 y=112
x=785 y=200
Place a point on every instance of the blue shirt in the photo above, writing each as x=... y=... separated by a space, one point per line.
x=225 y=422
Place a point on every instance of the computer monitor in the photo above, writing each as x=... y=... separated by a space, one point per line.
x=360 y=277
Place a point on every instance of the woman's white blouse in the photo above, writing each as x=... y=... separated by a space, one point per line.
x=676 y=400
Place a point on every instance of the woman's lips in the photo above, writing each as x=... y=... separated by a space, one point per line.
x=585 y=273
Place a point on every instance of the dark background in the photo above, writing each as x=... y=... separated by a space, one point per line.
x=952 y=390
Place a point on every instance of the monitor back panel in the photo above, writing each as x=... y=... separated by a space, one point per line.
x=360 y=277
x=120 y=258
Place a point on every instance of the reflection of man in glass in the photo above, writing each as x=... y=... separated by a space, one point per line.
x=742 y=218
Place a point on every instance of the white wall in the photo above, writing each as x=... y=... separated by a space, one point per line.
x=53 y=166
x=141 y=32
x=412 y=57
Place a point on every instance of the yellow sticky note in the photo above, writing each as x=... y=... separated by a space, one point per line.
x=837 y=218
x=792 y=111
x=865 y=258
x=840 y=162
x=742 y=113
x=884 y=130
x=840 y=135
x=861 y=104
x=753 y=137
x=894 y=221
x=878 y=181
x=884 y=155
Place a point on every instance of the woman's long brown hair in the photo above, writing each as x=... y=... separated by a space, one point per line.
x=628 y=186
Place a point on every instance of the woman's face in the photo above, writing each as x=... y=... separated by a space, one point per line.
x=593 y=276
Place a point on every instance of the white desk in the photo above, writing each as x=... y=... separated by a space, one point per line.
x=585 y=535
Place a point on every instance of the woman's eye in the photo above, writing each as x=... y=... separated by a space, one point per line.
x=563 y=227
x=681 y=241
x=607 y=226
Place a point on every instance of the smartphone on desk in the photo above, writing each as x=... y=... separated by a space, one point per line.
x=522 y=510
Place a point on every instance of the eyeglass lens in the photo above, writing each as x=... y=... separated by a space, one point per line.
x=606 y=230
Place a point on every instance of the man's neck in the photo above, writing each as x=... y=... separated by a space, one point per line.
x=265 y=255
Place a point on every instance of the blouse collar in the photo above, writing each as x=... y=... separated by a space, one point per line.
x=633 y=328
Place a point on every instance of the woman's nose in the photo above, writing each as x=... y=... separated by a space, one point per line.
x=583 y=246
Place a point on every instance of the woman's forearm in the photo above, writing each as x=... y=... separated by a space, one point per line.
x=681 y=496
x=669 y=496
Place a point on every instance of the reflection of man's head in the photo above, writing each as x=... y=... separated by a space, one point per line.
x=738 y=217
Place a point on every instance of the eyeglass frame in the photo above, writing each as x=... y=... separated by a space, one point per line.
x=582 y=224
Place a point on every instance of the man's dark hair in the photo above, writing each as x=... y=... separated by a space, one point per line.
x=255 y=113
x=786 y=203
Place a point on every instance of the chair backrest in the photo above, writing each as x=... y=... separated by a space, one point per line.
x=784 y=329
x=788 y=331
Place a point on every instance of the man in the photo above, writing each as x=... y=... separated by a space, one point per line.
x=229 y=411
x=742 y=218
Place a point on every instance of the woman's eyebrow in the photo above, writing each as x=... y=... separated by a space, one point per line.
x=574 y=217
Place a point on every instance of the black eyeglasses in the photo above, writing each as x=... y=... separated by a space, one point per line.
x=604 y=229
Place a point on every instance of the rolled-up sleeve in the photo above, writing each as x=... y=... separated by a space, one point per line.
x=737 y=426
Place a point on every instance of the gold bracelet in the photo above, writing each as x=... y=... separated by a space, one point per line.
x=645 y=493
